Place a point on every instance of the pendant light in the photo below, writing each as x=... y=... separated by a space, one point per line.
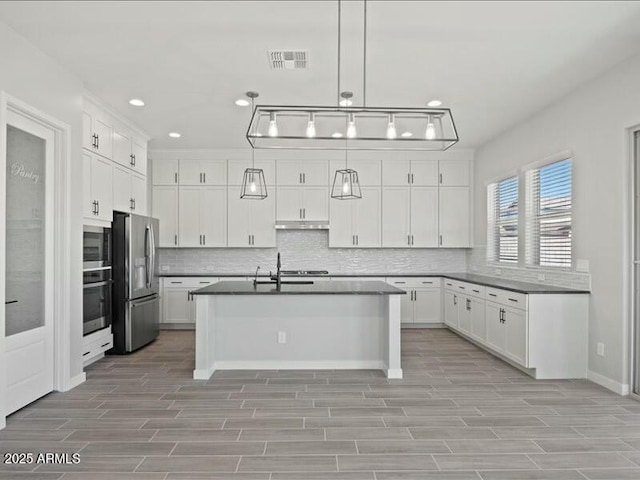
x=367 y=128
x=346 y=185
x=254 y=186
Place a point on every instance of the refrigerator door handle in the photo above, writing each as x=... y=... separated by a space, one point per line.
x=153 y=256
x=147 y=255
x=137 y=303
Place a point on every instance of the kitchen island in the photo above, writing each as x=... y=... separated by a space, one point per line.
x=312 y=326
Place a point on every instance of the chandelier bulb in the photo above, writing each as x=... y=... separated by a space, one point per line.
x=430 y=133
x=345 y=187
x=351 y=127
x=391 y=128
x=311 y=126
x=273 y=126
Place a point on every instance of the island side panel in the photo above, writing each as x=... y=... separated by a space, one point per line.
x=322 y=331
x=205 y=334
x=392 y=347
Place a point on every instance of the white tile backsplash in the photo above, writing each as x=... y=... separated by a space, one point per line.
x=309 y=250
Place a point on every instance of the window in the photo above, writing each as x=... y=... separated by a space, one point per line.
x=548 y=209
x=502 y=231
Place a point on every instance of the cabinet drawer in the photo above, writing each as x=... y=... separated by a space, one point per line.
x=471 y=289
x=507 y=298
x=414 y=282
x=188 y=282
x=451 y=285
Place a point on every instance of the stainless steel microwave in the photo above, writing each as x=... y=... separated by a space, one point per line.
x=96 y=247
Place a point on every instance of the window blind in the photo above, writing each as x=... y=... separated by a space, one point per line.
x=548 y=225
x=502 y=208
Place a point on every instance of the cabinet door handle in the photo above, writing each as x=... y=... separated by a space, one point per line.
x=134 y=160
x=357 y=239
x=408 y=239
x=353 y=239
x=175 y=239
x=86 y=353
x=204 y=177
x=200 y=177
x=440 y=178
x=304 y=213
x=134 y=203
x=412 y=179
x=411 y=239
x=97 y=141
x=97 y=207
x=300 y=213
x=440 y=239
x=249 y=239
x=175 y=177
x=204 y=239
x=468 y=304
x=415 y=295
x=513 y=299
x=455 y=299
x=408 y=178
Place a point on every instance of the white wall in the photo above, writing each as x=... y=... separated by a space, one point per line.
x=32 y=77
x=592 y=122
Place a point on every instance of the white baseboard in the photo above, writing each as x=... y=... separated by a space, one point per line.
x=203 y=373
x=77 y=380
x=394 y=373
x=298 y=365
x=617 y=387
x=423 y=325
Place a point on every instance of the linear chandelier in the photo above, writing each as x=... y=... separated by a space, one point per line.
x=348 y=127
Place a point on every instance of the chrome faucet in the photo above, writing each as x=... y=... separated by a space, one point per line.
x=277 y=277
x=255 y=280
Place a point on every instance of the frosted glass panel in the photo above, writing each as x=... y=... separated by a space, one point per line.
x=25 y=255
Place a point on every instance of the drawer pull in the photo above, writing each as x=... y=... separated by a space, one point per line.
x=400 y=282
x=104 y=344
x=461 y=287
x=492 y=295
x=176 y=282
x=427 y=283
x=477 y=291
x=86 y=353
x=207 y=283
x=513 y=300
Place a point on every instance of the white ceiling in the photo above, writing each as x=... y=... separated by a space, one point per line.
x=492 y=63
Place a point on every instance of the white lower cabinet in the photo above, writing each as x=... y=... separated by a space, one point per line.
x=177 y=306
x=422 y=303
x=450 y=308
x=95 y=344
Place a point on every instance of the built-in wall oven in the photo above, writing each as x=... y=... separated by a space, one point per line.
x=97 y=279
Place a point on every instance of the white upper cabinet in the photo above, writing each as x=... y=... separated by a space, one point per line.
x=396 y=217
x=403 y=172
x=202 y=217
x=97 y=195
x=202 y=172
x=302 y=203
x=424 y=217
x=129 y=151
x=129 y=191
x=369 y=171
x=356 y=223
x=165 y=209
x=302 y=172
x=97 y=131
x=251 y=223
x=165 y=172
x=454 y=217
x=454 y=173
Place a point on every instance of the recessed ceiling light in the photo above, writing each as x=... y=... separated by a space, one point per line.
x=336 y=135
x=345 y=102
x=175 y=135
x=242 y=102
x=407 y=134
x=434 y=103
x=136 y=102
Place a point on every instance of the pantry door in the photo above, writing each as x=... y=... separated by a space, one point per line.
x=28 y=358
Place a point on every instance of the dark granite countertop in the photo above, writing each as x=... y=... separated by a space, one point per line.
x=487 y=281
x=318 y=288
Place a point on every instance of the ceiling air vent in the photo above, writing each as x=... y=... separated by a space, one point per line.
x=288 y=59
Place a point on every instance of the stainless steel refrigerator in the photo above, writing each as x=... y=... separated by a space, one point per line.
x=136 y=303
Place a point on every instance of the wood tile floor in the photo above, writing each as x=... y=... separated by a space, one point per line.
x=459 y=414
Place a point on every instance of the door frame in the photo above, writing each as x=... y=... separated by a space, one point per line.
x=633 y=326
x=61 y=241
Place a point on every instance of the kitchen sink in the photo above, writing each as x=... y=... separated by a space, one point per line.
x=284 y=282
